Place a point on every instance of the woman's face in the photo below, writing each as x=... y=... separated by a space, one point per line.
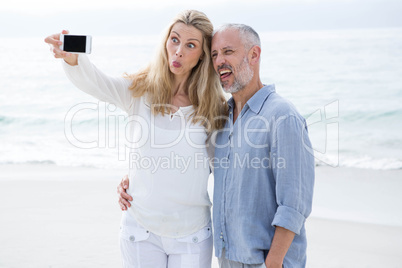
x=184 y=49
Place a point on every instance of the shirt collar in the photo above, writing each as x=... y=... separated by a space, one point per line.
x=257 y=100
x=231 y=103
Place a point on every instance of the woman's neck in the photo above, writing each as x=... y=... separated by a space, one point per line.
x=179 y=85
x=180 y=93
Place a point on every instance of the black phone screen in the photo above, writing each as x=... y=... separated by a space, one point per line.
x=75 y=43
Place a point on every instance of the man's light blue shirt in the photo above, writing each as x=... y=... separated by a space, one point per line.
x=263 y=177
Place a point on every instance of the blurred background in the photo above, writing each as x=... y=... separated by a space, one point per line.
x=339 y=62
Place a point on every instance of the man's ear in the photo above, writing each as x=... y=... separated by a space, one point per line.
x=254 y=55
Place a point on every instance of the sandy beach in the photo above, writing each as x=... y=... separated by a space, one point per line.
x=58 y=217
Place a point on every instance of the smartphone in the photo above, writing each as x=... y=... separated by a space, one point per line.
x=79 y=44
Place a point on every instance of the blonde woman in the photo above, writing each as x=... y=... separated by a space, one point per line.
x=175 y=104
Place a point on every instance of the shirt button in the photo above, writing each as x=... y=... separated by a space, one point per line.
x=132 y=238
x=195 y=239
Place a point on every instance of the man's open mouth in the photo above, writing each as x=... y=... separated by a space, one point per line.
x=225 y=73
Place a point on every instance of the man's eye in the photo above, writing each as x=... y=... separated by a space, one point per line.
x=228 y=51
x=214 y=55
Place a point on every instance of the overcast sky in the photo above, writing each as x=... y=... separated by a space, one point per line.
x=116 y=17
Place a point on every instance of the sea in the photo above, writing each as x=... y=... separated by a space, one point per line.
x=346 y=83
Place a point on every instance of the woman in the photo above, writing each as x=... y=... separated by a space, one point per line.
x=173 y=105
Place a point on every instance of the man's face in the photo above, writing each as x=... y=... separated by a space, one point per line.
x=230 y=61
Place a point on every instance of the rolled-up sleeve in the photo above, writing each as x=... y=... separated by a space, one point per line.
x=91 y=80
x=295 y=175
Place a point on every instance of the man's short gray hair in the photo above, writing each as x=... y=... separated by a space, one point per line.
x=248 y=35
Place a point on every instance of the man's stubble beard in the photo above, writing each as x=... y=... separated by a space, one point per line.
x=242 y=79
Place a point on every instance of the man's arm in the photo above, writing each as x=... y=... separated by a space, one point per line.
x=124 y=198
x=294 y=186
x=279 y=247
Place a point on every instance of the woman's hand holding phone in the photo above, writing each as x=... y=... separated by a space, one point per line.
x=55 y=43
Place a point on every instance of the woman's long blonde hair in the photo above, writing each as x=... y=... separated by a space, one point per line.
x=204 y=89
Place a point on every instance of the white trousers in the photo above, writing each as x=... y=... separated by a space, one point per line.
x=143 y=249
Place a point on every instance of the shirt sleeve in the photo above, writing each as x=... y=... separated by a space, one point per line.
x=295 y=176
x=91 y=80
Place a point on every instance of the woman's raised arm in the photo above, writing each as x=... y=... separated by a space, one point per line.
x=85 y=76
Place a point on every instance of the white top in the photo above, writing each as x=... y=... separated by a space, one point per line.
x=169 y=162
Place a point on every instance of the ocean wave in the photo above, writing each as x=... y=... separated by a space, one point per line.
x=363 y=162
x=60 y=164
x=367 y=162
x=352 y=116
x=29 y=120
x=385 y=114
x=31 y=162
x=45 y=120
x=5 y=120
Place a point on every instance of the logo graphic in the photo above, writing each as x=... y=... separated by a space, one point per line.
x=323 y=128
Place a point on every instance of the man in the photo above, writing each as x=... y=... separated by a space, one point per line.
x=263 y=165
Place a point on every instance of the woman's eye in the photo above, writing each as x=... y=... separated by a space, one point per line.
x=175 y=40
x=191 y=45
